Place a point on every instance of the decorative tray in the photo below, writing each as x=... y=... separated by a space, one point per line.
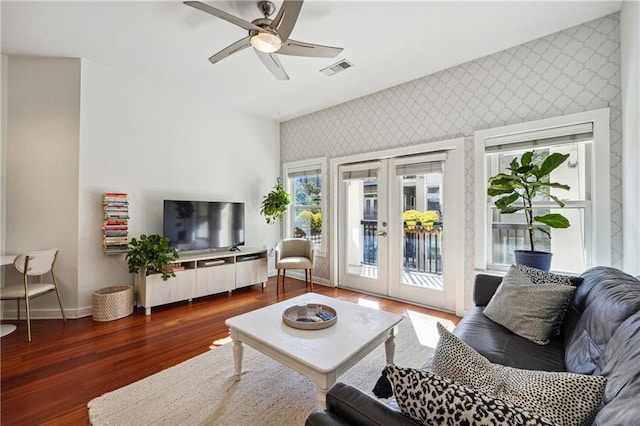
x=310 y=316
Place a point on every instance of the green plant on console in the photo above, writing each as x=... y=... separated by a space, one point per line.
x=275 y=203
x=152 y=253
x=528 y=179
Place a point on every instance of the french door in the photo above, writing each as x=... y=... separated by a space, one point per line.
x=394 y=216
x=362 y=226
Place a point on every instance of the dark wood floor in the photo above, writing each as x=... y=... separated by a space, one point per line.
x=50 y=380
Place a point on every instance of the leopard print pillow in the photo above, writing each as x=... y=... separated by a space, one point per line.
x=566 y=398
x=434 y=400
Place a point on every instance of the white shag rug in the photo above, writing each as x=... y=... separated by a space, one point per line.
x=202 y=390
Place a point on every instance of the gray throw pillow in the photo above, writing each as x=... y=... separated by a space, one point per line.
x=565 y=398
x=530 y=311
x=434 y=400
x=525 y=275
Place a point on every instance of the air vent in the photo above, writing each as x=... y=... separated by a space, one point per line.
x=336 y=68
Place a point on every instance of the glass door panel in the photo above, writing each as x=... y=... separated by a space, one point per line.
x=418 y=220
x=362 y=227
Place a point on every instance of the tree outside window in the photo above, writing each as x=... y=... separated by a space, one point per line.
x=308 y=208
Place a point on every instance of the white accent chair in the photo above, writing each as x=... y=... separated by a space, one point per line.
x=37 y=263
x=294 y=253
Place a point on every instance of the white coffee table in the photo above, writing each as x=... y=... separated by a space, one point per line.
x=321 y=355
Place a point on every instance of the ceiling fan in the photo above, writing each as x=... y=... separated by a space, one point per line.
x=269 y=37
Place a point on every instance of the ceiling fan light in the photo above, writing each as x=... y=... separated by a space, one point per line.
x=266 y=42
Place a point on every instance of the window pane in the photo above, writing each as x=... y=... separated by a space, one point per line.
x=307 y=208
x=509 y=232
x=574 y=172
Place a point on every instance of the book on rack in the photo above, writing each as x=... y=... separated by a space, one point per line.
x=115 y=227
x=116 y=244
x=124 y=244
x=115 y=233
x=115 y=222
x=116 y=239
x=112 y=250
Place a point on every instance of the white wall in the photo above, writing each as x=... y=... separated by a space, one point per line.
x=630 y=71
x=153 y=143
x=43 y=123
x=3 y=156
x=3 y=164
x=134 y=137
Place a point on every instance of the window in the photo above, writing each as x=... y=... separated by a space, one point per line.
x=585 y=138
x=305 y=183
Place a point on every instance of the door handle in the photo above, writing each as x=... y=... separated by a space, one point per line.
x=382 y=233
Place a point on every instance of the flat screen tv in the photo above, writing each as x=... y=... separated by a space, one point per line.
x=202 y=225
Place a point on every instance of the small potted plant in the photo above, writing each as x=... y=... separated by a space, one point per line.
x=527 y=179
x=275 y=203
x=153 y=254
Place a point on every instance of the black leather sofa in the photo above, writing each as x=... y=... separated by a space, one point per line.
x=601 y=336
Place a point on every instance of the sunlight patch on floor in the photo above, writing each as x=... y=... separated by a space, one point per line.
x=425 y=327
x=220 y=342
x=369 y=303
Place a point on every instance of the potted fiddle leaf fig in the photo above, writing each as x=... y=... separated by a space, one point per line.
x=151 y=254
x=528 y=177
x=275 y=203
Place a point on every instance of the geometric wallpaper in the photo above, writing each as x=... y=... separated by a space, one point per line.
x=574 y=70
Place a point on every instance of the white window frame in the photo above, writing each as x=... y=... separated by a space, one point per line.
x=598 y=246
x=289 y=220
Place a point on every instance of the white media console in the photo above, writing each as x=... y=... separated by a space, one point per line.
x=202 y=274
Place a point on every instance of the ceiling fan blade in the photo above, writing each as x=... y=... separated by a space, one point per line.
x=286 y=18
x=230 y=50
x=300 y=48
x=223 y=15
x=273 y=64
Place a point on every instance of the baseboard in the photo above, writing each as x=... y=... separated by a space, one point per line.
x=299 y=274
x=10 y=315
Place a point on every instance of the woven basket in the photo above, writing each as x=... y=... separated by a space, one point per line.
x=112 y=303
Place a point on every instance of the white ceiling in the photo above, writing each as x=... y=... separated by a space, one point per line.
x=389 y=42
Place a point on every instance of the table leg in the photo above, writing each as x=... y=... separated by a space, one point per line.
x=238 y=350
x=322 y=398
x=390 y=346
x=324 y=382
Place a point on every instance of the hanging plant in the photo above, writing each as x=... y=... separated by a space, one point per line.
x=275 y=203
